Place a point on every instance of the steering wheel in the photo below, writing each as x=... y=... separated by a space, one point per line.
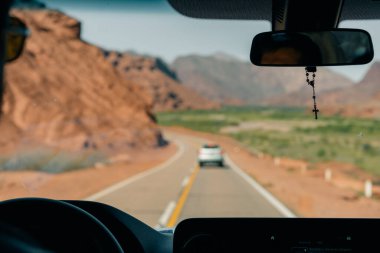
x=46 y=225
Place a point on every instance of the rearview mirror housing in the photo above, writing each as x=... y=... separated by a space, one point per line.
x=334 y=47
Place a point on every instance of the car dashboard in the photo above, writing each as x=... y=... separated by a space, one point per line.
x=85 y=226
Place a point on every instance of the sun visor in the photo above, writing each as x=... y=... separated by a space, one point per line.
x=224 y=9
x=262 y=9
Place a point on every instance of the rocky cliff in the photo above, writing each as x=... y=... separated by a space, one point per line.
x=63 y=92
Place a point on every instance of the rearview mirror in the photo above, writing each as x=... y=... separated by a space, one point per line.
x=316 y=48
x=15 y=38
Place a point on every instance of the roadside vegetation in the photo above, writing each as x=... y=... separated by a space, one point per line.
x=290 y=132
x=50 y=161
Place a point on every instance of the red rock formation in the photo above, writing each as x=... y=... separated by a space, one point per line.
x=63 y=92
x=152 y=75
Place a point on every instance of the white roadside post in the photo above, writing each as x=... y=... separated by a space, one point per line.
x=277 y=161
x=368 y=189
x=328 y=175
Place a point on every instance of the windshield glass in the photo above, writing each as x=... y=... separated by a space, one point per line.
x=130 y=103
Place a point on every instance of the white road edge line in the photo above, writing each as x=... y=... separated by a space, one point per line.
x=185 y=181
x=166 y=215
x=139 y=176
x=267 y=195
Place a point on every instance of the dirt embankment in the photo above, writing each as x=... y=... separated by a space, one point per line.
x=80 y=184
x=303 y=189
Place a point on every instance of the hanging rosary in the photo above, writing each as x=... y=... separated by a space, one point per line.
x=311 y=82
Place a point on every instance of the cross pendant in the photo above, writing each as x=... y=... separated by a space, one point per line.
x=316 y=112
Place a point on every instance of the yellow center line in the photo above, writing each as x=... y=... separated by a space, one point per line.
x=182 y=199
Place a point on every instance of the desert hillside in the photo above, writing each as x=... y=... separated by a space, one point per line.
x=63 y=92
x=165 y=91
x=228 y=80
x=360 y=100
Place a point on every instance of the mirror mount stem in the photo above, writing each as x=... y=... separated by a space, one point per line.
x=311 y=69
x=321 y=15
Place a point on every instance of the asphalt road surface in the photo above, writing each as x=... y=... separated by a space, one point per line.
x=180 y=189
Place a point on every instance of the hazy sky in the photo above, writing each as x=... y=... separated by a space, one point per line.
x=153 y=27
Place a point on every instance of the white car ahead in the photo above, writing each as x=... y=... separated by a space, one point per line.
x=211 y=153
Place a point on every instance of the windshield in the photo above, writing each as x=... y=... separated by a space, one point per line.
x=130 y=103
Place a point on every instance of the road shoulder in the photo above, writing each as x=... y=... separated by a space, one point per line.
x=305 y=192
x=81 y=183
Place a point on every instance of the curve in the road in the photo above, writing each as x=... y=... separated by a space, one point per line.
x=157 y=195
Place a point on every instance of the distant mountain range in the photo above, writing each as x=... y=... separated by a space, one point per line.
x=361 y=99
x=228 y=80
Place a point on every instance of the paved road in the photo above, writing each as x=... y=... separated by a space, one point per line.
x=220 y=192
x=155 y=196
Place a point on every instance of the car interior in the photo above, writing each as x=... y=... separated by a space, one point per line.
x=65 y=225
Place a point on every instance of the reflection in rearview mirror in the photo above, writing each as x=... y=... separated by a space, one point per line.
x=15 y=38
x=317 y=48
